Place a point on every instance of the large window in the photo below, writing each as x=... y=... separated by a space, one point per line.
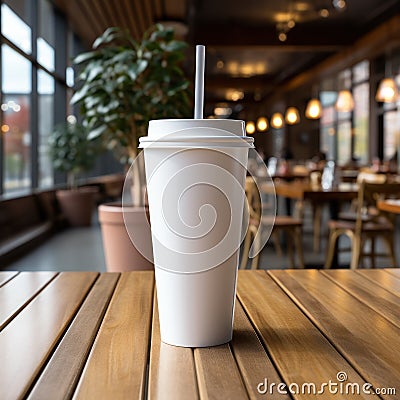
x=344 y=141
x=28 y=89
x=36 y=81
x=14 y=25
x=361 y=113
x=391 y=124
x=391 y=118
x=46 y=36
x=344 y=128
x=361 y=122
x=345 y=135
x=46 y=122
x=16 y=107
x=328 y=123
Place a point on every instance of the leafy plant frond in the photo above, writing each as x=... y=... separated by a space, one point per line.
x=125 y=83
x=70 y=149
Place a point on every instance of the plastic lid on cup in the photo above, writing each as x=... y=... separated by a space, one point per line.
x=192 y=127
x=196 y=133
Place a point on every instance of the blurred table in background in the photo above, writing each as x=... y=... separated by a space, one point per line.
x=392 y=206
x=303 y=191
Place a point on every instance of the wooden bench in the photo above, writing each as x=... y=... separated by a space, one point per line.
x=27 y=221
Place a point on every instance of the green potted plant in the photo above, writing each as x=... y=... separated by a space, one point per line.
x=73 y=153
x=124 y=84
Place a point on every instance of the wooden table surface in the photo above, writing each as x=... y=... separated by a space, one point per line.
x=85 y=335
x=305 y=191
x=392 y=206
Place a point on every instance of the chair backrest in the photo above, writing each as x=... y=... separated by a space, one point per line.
x=253 y=200
x=253 y=204
x=368 y=196
x=371 y=177
x=315 y=178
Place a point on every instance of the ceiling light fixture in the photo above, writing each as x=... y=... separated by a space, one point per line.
x=292 y=116
x=295 y=12
x=277 y=120
x=234 y=95
x=250 y=127
x=324 y=13
x=345 y=101
x=387 y=91
x=262 y=124
x=339 y=4
x=313 y=109
x=282 y=36
x=291 y=23
x=223 y=110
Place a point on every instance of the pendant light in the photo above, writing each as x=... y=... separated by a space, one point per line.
x=262 y=124
x=277 y=120
x=313 y=109
x=387 y=91
x=250 y=127
x=345 y=101
x=292 y=116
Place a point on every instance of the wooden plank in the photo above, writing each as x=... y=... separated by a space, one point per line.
x=382 y=278
x=130 y=12
x=147 y=14
x=139 y=18
x=369 y=341
x=116 y=367
x=27 y=342
x=172 y=369
x=88 y=16
x=18 y=292
x=374 y=296
x=159 y=9
x=62 y=372
x=5 y=276
x=108 y=10
x=393 y=271
x=298 y=349
x=218 y=375
x=254 y=363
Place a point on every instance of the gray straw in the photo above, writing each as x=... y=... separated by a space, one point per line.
x=199 y=82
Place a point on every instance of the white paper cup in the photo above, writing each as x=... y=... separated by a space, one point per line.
x=195 y=171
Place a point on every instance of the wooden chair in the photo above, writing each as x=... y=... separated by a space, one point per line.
x=292 y=227
x=375 y=225
x=254 y=213
x=363 y=176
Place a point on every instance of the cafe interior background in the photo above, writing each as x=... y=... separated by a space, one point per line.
x=305 y=75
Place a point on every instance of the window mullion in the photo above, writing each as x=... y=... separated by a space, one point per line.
x=34 y=100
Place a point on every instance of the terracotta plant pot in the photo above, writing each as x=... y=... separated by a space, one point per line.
x=77 y=205
x=120 y=253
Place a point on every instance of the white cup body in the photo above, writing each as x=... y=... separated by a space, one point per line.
x=196 y=198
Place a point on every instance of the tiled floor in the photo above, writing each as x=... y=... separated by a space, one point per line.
x=74 y=249
x=81 y=249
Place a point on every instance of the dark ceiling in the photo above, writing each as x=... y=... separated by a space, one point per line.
x=244 y=52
